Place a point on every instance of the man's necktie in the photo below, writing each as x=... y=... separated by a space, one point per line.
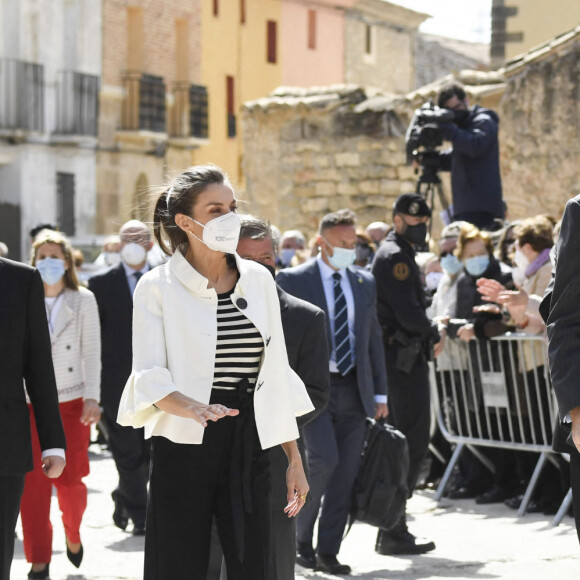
x=341 y=334
x=137 y=275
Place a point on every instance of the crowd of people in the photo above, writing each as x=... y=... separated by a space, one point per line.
x=233 y=377
x=138 y=357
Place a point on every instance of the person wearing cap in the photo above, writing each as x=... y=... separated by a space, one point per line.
x=408 y=336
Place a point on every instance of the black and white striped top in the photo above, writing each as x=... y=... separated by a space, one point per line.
x=239 y=346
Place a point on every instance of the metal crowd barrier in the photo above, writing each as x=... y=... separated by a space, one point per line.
x=496 y=393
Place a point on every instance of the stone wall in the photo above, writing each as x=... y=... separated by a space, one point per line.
x=437 y=56
x=308 y=152
x=306 y=157
x=389 y=65
x=540 y=123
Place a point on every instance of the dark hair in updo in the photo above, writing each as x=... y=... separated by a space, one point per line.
x=183 y=192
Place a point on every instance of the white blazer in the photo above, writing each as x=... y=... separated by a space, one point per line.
x=76 y=347
x=174 y=347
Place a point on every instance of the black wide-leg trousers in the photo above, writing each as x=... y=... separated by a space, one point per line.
x=189 y=486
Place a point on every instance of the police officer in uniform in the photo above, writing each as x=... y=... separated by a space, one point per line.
x=408 y=336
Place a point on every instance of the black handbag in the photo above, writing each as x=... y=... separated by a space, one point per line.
x=380 y=490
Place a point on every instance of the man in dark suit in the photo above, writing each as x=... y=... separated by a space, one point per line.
x=113 y=290
x=26 y=356
x=358 y=385
x=304 y=328
x=560 y=311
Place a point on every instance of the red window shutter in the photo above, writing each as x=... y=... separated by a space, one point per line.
x=242 y=11
x=312 y=29
x=216 y=7
x=230 y=95
x=272 y=41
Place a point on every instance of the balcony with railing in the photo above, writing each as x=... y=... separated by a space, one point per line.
x=77 y=103
x=144 y=103
x=21 y=96
x=190 y=112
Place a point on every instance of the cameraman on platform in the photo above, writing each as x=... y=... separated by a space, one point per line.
x=473 y=160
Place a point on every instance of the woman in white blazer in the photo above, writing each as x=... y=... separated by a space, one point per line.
x=212 y=386
x=73 y=321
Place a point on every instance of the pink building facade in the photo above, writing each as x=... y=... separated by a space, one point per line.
x=312 y=42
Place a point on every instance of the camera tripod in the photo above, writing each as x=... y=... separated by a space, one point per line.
x=429 y=183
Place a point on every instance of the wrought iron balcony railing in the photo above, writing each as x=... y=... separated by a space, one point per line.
x=190 y=111
x=144 y=103
x=21 y=95
x=77 y=103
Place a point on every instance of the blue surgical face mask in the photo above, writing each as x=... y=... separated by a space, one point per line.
x=477 y=265
x=286 y=255
x=341 y=257
x=51 y=270
x=451 y=264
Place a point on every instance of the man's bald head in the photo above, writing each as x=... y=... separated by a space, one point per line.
x=137 y=232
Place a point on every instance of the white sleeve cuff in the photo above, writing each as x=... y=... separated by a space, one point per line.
x=58 y=452
x=381 y=399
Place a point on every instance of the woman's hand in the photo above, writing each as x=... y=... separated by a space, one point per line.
x=296 y=482
x=204 y=413
x=489 y=289
x=466 y=332
x=181 y=405
x=91 y=412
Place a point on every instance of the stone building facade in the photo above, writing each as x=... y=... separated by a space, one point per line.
x=153 y=107
x=380 y=45
x=311 y=152
x=540 y=111
x=437 y=56
x=50 y=71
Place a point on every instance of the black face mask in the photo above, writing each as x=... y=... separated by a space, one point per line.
x=461 y=117
x=416 y=234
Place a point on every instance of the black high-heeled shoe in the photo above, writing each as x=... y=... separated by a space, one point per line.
x=75 y=559
x=41 y=575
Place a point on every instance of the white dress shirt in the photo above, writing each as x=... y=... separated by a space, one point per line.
x=326 y=272
x=130 y=273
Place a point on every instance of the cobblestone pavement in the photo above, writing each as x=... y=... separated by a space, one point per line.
x=473 y=542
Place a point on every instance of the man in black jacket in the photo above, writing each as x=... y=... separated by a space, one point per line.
x=560 y=311
x=473 y=160
x=26 y=356
x=408 y=335
x=304 y=327
x=113 y=290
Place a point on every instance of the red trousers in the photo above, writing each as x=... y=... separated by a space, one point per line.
x=70 y=489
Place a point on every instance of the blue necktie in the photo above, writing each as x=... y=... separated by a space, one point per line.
x=137 y=275
x=341 y=334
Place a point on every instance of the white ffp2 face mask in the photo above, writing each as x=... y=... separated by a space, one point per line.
x=221 y=234
x=133 y=254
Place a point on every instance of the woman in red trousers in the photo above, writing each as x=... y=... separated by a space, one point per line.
x=73 y=320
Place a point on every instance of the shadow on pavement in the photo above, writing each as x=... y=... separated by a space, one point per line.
x=438 y=567
x=129 y=544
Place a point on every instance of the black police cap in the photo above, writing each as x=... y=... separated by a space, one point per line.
x=412 y=204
